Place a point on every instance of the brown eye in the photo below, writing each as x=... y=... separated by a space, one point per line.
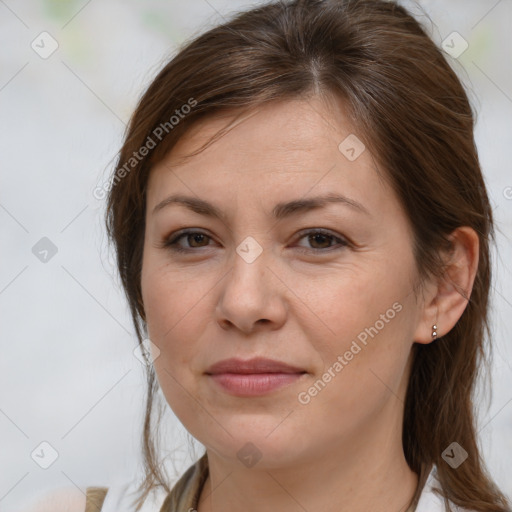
x=320 y=240
x=194 y=239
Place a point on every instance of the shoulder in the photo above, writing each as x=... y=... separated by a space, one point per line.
x=184 y=492
x=122 y=496
x=67 y=499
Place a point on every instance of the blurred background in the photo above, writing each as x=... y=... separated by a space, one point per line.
x=71 y=72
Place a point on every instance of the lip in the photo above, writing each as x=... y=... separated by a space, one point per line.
x=251 y=366
x=254 y=377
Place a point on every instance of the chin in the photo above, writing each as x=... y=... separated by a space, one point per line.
x=257 y=448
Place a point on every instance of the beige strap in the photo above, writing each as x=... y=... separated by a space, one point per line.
x=95 y=496
x=184 y=496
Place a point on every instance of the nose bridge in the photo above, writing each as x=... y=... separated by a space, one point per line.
x=250 y=292
x=248 y=277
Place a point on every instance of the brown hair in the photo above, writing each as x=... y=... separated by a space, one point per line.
x=412 y=112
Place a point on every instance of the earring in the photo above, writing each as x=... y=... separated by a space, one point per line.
x=434 y=332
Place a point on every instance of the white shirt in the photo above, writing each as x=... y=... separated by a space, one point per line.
x=430 y=501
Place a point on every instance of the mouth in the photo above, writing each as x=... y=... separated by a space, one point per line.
x=255 y=377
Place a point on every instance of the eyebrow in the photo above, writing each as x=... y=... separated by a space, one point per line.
x=280 y=211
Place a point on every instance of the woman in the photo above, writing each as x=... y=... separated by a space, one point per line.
x=302 y=231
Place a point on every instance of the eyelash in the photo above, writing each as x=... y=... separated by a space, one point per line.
x=171 y=242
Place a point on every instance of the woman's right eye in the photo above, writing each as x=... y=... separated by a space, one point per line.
x=191 y=237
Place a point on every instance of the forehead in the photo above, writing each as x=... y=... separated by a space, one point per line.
x=290 y=147
x=300 y=125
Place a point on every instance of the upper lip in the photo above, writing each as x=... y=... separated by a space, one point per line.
x=255 y=365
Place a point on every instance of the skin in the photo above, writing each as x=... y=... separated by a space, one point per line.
x=342 y=450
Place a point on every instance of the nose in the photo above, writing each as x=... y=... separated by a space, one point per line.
x=252 y=297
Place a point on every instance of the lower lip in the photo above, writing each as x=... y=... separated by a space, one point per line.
x=254 y=384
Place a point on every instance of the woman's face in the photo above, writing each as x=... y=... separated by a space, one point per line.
x=325 y=287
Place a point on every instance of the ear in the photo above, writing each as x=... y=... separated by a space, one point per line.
x=448 y=297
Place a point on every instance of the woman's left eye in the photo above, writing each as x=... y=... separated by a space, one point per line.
x=321 y=237
x=198 y=239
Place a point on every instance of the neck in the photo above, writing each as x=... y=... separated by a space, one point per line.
x=369 y=472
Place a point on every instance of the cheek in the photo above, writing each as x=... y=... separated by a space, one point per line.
x=172 y=303
x=347 y=302
x=173 y=300
x=178 y=308
x=363 y=371
x=364 y=317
